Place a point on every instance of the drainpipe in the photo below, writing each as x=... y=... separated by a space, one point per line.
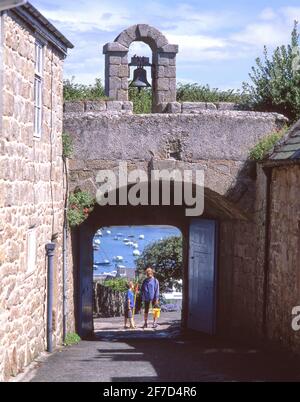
x=65 y=252
x=50 y=248
x=65 y=268
x=268 y=173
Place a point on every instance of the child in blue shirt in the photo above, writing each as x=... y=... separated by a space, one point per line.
x=129 y=305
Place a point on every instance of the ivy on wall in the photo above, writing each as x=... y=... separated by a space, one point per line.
x=265 y=145
x=80 y=205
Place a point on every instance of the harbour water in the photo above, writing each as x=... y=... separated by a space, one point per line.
x=118 y=244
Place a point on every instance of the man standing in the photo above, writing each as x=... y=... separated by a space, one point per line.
x=150 y=294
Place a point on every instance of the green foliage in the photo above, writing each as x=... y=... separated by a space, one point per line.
x=67 y=146
x=165 y=257
x=81 y=204
x=72 y=339
x=276 y=80
x=74 y=91
x=117 y=284
x=203 y=93
x=266 y=144
x=142 y=102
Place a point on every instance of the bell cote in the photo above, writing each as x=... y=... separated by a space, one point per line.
x=163 y=64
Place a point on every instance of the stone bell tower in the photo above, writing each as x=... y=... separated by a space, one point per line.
x=163 y=65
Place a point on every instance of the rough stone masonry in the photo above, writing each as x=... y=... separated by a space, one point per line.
x=31 y=198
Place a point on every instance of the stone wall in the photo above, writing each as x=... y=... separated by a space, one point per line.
x=102 y=106
x=195 y=107
x=217 y=141
x=31 y=195
x=241 y=270
x=284 y=269
x=107 y=302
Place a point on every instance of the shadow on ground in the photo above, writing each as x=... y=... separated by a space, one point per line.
x=164 y=355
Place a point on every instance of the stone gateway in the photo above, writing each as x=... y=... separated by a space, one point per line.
x=251 y=219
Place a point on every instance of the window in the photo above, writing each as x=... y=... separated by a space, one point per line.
x=31 y=250
x=38 y=85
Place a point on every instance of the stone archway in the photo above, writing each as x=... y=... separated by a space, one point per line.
x=163 y=60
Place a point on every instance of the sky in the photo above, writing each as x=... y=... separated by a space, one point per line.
x=218 y=40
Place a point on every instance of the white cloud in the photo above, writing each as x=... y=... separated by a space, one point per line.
x=291 y=14
x=274 y=29
x=89 y=15
x=268 y=14
x=203 y=36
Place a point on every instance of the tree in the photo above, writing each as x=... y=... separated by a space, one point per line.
x=276 y=80
x=165 y=257
x=204 y=93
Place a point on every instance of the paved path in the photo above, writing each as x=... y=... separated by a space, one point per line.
x=162 y=355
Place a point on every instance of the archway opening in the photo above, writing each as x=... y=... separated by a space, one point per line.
x=121 y=256
x=143 y=99
x=200 y=244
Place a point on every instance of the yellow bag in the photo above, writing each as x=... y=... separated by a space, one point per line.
x=156 y=312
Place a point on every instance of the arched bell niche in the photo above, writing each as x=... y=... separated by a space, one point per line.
x=163 y=64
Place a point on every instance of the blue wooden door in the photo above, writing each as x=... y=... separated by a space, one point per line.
x=202 y=276
x=85 y=321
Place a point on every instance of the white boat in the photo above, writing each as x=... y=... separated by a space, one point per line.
x=135 y=245
x=136 y=253
x=104 y=262
x=126 y=240
x=99 y=233
x=118 y=258
x=108 y=232
x=116 y=238
x=97 y=241
x=130 y=244
x=141 y=237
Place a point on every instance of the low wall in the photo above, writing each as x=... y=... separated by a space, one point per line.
x=196 y=107
x=107 y=302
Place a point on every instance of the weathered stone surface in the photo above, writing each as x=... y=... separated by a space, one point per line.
x=107 y=302
x=169 y=48
x=170 y=72
x=74 y=107
x=211 y=106
x=284 y=269
x=208 y=135
x=162 y=107
x=142 y=30
x=162 y=84
x=190 y=107
x=127 y=106
x=114 y=47
x=123 y=71
x=97 y=106
x=27 y=177
x=115 y=60
x=114 y=105
x=174 y=107
x=226 y=106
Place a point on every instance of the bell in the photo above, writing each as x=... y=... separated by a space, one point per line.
x=140 y=79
